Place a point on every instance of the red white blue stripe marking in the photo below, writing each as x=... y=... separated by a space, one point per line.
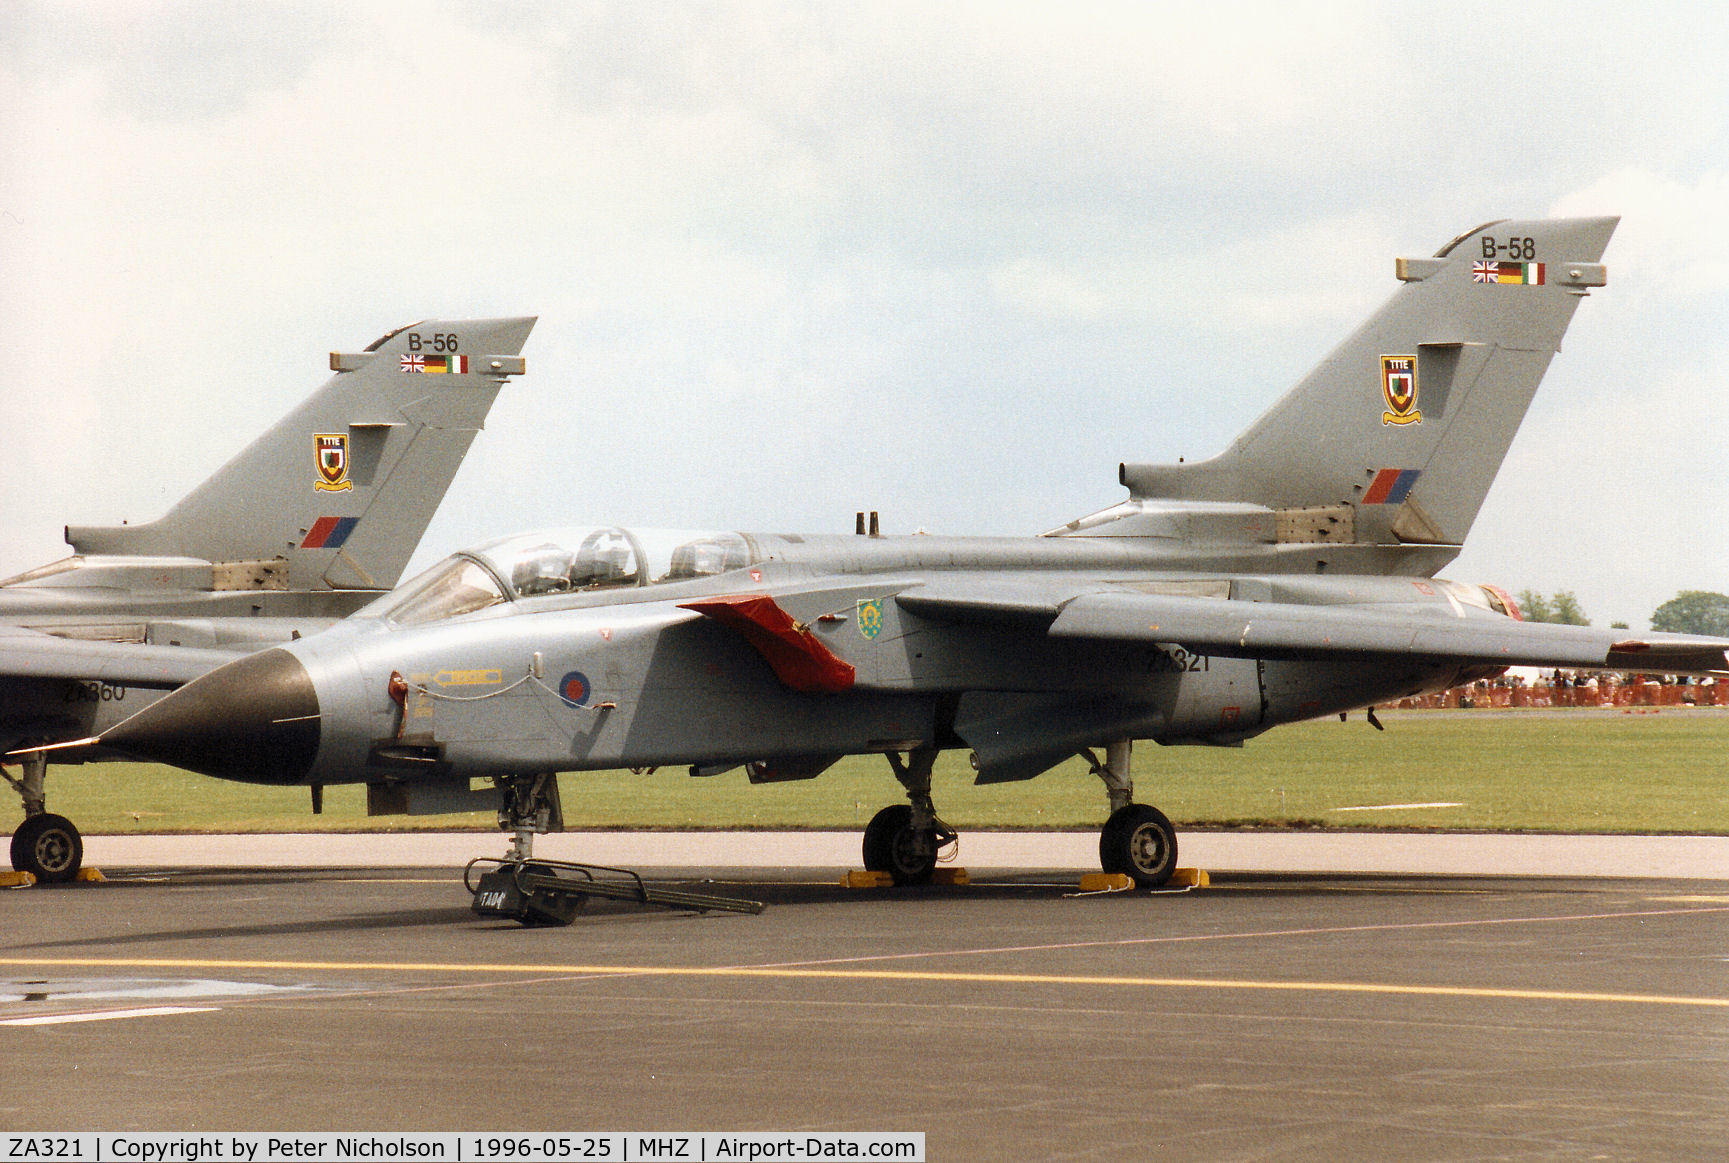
x=1391 y=486
x=329 y=532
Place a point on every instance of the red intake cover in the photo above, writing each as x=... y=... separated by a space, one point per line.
x=798 y=659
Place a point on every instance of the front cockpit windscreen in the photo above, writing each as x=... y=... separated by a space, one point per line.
x=456 y=585
x=564 y=561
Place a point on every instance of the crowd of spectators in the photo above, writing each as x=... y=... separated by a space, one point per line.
x=1564 y=688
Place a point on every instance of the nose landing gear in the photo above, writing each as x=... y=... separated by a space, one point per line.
x=551 y=892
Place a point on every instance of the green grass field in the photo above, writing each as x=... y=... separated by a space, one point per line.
x=1508 y=771
x=1513 y=771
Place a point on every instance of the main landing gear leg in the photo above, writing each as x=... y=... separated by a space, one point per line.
x=45 y=845
x=903 y=839
x=1137 y=839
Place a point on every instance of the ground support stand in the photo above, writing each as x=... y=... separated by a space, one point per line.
x=552 y=892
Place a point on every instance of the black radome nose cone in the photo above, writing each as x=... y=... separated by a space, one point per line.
x=254 y=720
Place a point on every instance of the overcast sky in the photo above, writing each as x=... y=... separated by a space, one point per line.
x=952 y=262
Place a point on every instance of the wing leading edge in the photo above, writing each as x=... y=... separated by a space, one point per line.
x=1282 y=630
x=30 y=654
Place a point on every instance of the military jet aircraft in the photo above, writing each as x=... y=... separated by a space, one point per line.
x=312 y=521
x=1289 y=577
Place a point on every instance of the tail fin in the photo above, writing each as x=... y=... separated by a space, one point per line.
x=1400 y=430
x=337 y=494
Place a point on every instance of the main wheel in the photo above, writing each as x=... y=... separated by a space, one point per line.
x=1139 y=840
x=894 y=846
x=48 y=846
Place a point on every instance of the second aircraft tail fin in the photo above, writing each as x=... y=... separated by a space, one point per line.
x=337 y=494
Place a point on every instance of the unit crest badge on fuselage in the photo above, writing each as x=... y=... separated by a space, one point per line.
x=332 y=459
x=1399 y=389
x=870 y=618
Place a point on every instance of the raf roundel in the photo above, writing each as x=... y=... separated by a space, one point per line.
x=573 y=688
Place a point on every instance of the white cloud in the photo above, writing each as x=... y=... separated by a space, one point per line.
x=1673 y=240
x=793 y=260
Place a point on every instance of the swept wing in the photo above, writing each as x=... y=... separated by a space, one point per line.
x=1296 y=632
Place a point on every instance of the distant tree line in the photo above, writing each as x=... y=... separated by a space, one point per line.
x=1688 y=612
x=1562 y=607
x=1694 y=612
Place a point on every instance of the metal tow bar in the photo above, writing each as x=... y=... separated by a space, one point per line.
x=552 y=892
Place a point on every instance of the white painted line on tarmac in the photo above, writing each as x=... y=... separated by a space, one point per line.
x=106 y=1015
x=907 y=977
x=1394 y=807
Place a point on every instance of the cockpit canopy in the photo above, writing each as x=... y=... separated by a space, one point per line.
x=565 y=561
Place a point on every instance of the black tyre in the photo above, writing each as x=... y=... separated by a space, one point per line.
x=1138 y=840
x=48 y=846
x=892 y=845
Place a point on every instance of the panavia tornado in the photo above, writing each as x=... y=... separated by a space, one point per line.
x=1292 y=576
x=313 y=520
